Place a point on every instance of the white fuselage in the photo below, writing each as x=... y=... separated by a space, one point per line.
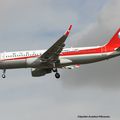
x=25 y=59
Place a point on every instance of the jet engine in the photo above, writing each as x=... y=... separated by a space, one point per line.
x=40 y=72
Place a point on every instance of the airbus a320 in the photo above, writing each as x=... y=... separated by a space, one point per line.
x=43 y=62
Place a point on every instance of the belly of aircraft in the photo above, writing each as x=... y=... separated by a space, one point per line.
x=10 y=64
x=90 y=58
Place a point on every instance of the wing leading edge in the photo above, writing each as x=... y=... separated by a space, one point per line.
x=53 y=52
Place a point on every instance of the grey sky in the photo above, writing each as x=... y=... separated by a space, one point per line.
x=37 y=24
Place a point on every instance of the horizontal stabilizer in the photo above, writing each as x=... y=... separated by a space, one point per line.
x=72 y=66
x=117 y=49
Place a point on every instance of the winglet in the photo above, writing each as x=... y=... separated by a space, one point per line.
x=68 y=31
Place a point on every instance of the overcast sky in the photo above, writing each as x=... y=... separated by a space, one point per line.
x=36 y=24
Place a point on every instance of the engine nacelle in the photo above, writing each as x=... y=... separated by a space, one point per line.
x=40 y=72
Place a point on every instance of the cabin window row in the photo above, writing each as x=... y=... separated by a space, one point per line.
x=22 y=55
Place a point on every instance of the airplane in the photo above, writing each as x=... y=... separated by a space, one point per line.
x=43 y=62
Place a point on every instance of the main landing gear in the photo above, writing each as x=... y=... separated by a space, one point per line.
x=57 y=75
x=3 y=74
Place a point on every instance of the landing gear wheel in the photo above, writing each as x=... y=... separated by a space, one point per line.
x=57 y=75
x=3 y=76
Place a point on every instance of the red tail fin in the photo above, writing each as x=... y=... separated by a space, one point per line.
x=114 y=42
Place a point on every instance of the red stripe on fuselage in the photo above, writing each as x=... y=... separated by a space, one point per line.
x=70 y=53
x=81 y=52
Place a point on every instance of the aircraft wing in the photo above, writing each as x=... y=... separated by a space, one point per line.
x=53 y=52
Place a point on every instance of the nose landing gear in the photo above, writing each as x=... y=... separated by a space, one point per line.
x=3 y=74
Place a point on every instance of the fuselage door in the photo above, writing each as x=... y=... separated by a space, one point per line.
x=2 y=56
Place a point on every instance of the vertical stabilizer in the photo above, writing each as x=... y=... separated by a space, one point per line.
x=114 y=42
